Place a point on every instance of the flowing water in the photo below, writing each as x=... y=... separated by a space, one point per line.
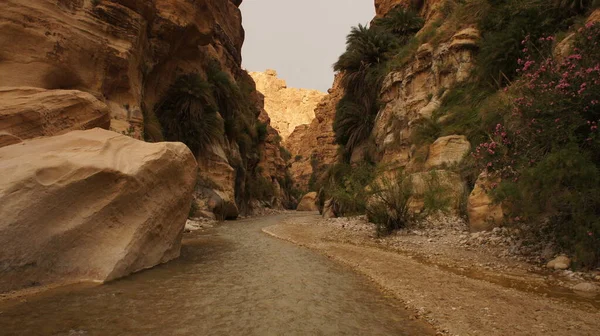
x=230 y=280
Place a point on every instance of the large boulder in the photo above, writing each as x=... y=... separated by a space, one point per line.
x=329 y=209
x=90 y=205
x=484 y=214
x=27 y=112
x=308 y=202
x=448 y=150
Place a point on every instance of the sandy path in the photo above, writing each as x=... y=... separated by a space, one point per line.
x=230 y=280
x=454 y=303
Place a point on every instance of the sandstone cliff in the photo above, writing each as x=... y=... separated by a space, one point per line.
x=123 y=52
x=412 y=90
x=313 y=146
x=120 y=57
x=68 y=65
x=287 y=107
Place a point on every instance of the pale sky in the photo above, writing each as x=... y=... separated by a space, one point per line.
x=301 y=39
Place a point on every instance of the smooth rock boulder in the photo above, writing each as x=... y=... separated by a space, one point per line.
x=484 y=213
x=329 y=209
x=586 y=287
x=448 y=150
x=308 y=202
x=27 y=112
x=90 y=205
x=559 y=263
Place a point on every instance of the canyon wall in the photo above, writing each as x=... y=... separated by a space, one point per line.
x=313 y=146
x=287 y=107
x=411 y=92
x=116 y=59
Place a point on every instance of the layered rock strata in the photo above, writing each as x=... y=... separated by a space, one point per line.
x=27 y=112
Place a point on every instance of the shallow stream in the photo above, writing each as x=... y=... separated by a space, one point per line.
x=230 y=280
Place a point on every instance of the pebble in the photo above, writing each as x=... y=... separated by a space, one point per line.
x=586 y=287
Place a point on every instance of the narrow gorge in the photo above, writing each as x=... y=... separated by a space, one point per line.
x=445 y=184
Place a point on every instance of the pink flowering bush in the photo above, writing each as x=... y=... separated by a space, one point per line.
x=547 y=149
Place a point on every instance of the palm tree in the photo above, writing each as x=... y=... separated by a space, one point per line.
x=401 y=21
x=353 y=123
x=187 y=113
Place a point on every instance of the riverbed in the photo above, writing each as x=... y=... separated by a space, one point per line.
x=230 y=280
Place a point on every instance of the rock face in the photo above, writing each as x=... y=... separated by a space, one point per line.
x=120 y=57
x=382 y=7
x=313 y=147
x=429 y=9
x=308 y=202
x=125 y=50
x=28 y=112
x=448 y=150
x=90 y=205
x=415 y=92
x=287 y=107
x=484 y=214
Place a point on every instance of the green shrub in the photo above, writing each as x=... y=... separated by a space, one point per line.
x=152 y=127
x=225 y=92
x=260 y=188
x=462 y=112
x=564 y=188
x=436 y=197
x=363 y=65
x=187 y=113
x=345 y=185
x=193 y=209
x=546 y=148
x=261 y=132
x=426 y=131
x=285 y=154
x=388 y=207
x=577 y=6
x=507 y=24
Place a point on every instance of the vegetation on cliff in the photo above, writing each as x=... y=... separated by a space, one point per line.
x=216 y=111
x=546 y=148
x=187 y=113
x=363 y=65
x=530 y=109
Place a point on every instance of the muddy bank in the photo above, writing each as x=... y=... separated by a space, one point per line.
x=459 y=291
